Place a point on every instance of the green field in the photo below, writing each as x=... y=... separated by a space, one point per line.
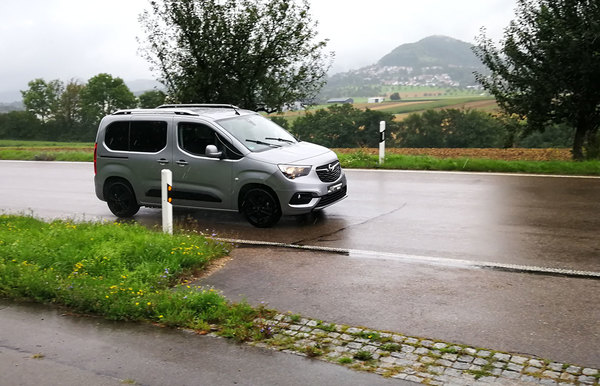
x=355 y=158
x=4 y=143
x=417 y=100
x=46 y=151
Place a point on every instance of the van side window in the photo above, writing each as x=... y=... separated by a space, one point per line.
x=117 y=136
x=140 y=136
x=194 y=137
x=148 y=136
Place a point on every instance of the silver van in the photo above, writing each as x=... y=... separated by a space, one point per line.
x=221 y=157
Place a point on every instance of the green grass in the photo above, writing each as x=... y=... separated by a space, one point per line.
x=26 y=143
x=390 y=347
x=362 y=160
x=46 y=155
x=119 y=271
x=41 y=151
x=363 y=355
x=372 y=335
x=46 y=151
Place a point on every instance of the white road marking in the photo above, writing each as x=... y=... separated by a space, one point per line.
x=467 y=172
x=358 y=253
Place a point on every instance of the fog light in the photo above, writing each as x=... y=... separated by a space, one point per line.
x=301 y=198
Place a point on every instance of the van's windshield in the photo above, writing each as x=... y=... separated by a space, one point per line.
x=256 y=132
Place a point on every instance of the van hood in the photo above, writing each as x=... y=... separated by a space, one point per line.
x=292 y=154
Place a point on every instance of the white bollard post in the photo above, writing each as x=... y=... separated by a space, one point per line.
x=166 y=182
x=381 y=142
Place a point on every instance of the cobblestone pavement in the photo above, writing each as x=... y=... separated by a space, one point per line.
x=415 y=359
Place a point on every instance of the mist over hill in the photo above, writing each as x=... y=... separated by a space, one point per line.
x=437 y=61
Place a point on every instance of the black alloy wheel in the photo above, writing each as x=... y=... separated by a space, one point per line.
x=261 y=208
x=121 y=199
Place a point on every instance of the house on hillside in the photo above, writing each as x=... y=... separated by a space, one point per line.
x=375 y=100
x=340 y=100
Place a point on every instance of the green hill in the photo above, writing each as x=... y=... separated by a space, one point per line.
x=439 y=51
x=438 y=62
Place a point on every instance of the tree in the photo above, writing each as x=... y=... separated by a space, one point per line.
x=452 y=128
x=103 y=95
x=395 y=97
x=43 y=98
x=343 y=126
x=422 y=130
x=257 y=54
x=152 y=99
x=19 y=125
x=69 y=112
x=547 y=68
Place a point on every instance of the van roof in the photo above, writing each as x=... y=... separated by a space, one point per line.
x=215 y=111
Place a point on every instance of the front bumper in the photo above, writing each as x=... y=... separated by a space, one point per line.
x=306 y=194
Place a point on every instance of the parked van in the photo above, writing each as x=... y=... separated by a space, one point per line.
x=221 y=157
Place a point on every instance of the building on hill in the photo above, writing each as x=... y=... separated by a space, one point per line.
x=340 y=100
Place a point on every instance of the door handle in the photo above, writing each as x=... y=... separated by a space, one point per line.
x=181 y=162
x=162 y=161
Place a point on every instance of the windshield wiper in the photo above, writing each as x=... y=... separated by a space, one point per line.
x=280 y=139
x=262 y=143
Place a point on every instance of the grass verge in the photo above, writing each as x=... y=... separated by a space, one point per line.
x=396 y=161
x=46 y=155
x=83 y=152
x=119 y=271
x=46 y=151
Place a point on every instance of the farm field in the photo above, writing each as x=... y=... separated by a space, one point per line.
x=514 y=154
x=403 y=108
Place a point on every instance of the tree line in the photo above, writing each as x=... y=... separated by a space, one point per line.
x=344 y=126
x=59 y=111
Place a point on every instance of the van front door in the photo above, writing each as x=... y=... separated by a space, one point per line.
x=199 y=180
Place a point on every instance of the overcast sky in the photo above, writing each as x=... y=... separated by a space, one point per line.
x=75 y=39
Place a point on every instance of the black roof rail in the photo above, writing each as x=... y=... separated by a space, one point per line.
x=152 y=111
x=198 y=105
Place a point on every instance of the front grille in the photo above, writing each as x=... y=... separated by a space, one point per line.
x=331 y=198
x=330 y=172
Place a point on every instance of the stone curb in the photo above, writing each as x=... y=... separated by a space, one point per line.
x=414 y=359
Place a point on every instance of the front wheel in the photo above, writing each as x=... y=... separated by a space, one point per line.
x=261 y=208
x=120 y=198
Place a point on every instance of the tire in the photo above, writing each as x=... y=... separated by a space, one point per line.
x=120 y=198
x=261 y=208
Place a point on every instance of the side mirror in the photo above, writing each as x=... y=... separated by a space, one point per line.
x=211 y=151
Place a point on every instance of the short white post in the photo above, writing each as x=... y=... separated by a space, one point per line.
x=166 y=182
x=381 y=142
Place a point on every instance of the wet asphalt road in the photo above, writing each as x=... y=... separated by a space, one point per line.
x=533 y=221
x=536 y=221
x=41 y=345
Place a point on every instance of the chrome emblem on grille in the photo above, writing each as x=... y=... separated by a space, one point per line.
x=331 y=167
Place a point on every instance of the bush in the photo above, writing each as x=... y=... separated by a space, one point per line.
x=452 y=128
x=342 y=126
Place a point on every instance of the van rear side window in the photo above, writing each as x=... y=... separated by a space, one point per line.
x=139 y=136
x=117 y=136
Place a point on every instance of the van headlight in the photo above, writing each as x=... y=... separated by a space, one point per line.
x=294 y=171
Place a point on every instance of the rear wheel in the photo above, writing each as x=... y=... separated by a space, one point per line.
x=120 y=198
x=261 y=208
